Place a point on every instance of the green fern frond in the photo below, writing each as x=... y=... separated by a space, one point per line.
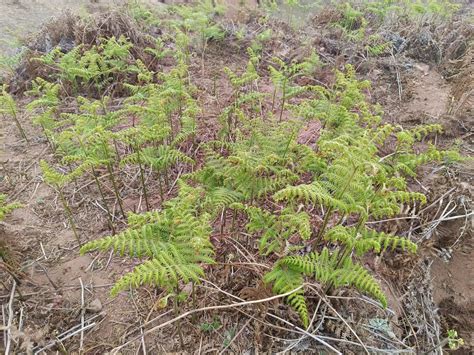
x=222 y=197
x=163 y=271
x=275 y=229
x=6 y=208
x=159 y=158
x=310 y=193
x=355 y=275
x=325 y=267
x=408 y=197
x=138 y=220
x=176 y=239
x=285 y=279
x=363 y=240
x=149 y=241
x=59 y=180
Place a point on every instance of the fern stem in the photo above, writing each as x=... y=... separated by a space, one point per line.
x=321 y=230
x=69 y=216
x=344 y=253
x=142 y=179
x=170 y=120
x=274 y=98
x=106 y=206
x=234 y=218
x=283 y=100
x=48 y=138
x=160 y=185
x=17 y=123
x=117 y=152
x=202 y=58
x=330 y=208
x=289 y=142
x=176 y=313
x=167 y=180
x=193 y=295
x=116 y=191
x=224 y=210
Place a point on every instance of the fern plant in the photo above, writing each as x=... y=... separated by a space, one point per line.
x=275 y=229
x=283 y=75
x=45 y=107
x=6 y=208
x=357 y=184
x=244 y=96
x=356 y=171
x=199 y=20
x=241 y=175
x=58 y=181
x=175 y=241
x=95 y=66
x=8 y=107
x=159 y=158
x=252 y=167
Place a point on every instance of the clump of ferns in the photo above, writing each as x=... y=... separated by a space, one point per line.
x=83 y=139
x=345 y=175
x=159 y=159
x=351 y=181
x=199 y=25
x=244 y=173
x=174 y=241
x=246 y=98
x=45 y=107
x=284 y=75
x=95 y=136
x=167 y=103
x=88 y=138
x=357 y=185
x=164 y=117
x=94 y=148
x=91 y=70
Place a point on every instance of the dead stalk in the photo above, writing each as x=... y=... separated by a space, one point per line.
x=10 y=319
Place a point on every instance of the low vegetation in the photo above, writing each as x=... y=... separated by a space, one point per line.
x=297 y=170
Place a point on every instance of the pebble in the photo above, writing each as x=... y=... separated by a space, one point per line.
x=95 y=306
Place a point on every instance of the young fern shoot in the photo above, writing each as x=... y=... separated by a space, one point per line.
x=8 y=107
x=58 y=181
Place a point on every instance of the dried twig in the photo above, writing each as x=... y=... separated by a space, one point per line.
x=340 y=317
x=47 y=275
x=4 y=327
x=209 y=308
x=236 y=336
x=69 y=333
x=61 y=339
x=83 y=310
x=10 y=318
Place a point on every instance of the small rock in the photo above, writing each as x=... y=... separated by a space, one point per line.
x=95 y=306
x=424 y=68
